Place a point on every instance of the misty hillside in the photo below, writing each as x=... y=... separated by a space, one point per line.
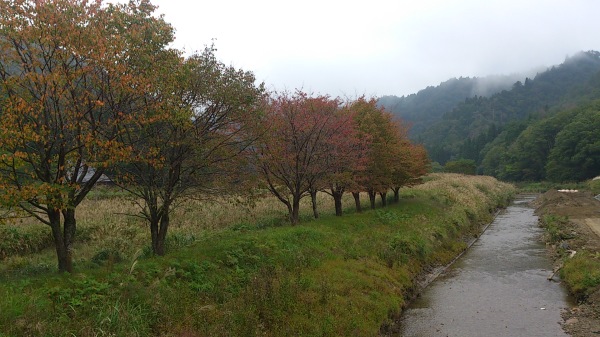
x=464 y=131
x=428 y=105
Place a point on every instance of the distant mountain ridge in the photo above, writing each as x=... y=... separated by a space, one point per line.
x=431 y=103
x=539 y=128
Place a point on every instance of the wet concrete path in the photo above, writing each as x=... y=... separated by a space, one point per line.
x=498 y=288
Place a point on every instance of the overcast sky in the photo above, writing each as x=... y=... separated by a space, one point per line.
x=383 y=47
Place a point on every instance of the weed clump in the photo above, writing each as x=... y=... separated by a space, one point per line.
x=23 y=240
x=582 y=274
x=556 y=228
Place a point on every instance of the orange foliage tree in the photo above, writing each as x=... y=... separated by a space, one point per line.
x=374 y=123
x=72 y=72
x=393 y=161
x=412 y=164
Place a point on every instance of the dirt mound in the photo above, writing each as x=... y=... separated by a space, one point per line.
x=572 y=204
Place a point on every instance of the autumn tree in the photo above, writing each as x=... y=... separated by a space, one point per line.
x=196 y=127
x=410 y=161
x=294 y=156
x=392 y=160
x=340 y=155
x=376 y=124
x=412 y=164
x=71 y=73
x=348 y=157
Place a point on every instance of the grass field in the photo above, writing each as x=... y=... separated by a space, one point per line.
x=107 y=224
x=235 y=268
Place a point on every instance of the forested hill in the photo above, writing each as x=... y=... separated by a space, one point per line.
x=562 y=147
x=428 y=105
x=464 y=131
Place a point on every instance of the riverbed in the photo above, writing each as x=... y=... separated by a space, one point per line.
x=498 y=288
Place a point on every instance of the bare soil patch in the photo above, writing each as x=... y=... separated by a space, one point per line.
x=583 y=227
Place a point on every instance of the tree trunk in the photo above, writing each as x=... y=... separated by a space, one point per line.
x=313 y=199
x=162 y=233
x=159 y=224
x=372 y=196
x=154 y=221
x=383 y=198
x=70 y=226
x=295 y=215
x=64 y=258
x=337 y=199
x=356 y=196
x=337 y=192
x=396 y=194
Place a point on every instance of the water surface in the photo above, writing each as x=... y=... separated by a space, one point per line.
x=498 y=288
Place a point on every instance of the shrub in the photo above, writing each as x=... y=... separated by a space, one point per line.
x=594 y=186
x=555 y=227
x=23 y=240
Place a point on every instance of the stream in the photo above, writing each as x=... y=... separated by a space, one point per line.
x=498 y=288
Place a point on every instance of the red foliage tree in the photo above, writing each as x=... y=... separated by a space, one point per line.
x=308 y=143
x=348 y=157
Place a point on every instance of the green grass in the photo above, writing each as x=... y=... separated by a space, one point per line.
x=582 y=274
x=555 y=228
x=336 y=276
x=594 y=186
x=23 y=240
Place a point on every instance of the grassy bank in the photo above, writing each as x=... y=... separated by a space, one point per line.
x=581 y=272
x=569 y=220
x=336 y=276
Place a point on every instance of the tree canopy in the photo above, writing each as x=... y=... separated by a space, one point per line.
x=190 y=137
x=316 y=143
x=71 y=73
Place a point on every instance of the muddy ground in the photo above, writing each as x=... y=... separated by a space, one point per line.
x=583 y=212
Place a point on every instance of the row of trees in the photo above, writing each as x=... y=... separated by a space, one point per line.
x=88 y=89
x=322 y=144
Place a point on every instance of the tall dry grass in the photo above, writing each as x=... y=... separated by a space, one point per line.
x=109 y=225
x=468 y=191
x=109 y=222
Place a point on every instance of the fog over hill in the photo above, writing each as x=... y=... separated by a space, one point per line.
x=461 y=118
x=431 y=103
